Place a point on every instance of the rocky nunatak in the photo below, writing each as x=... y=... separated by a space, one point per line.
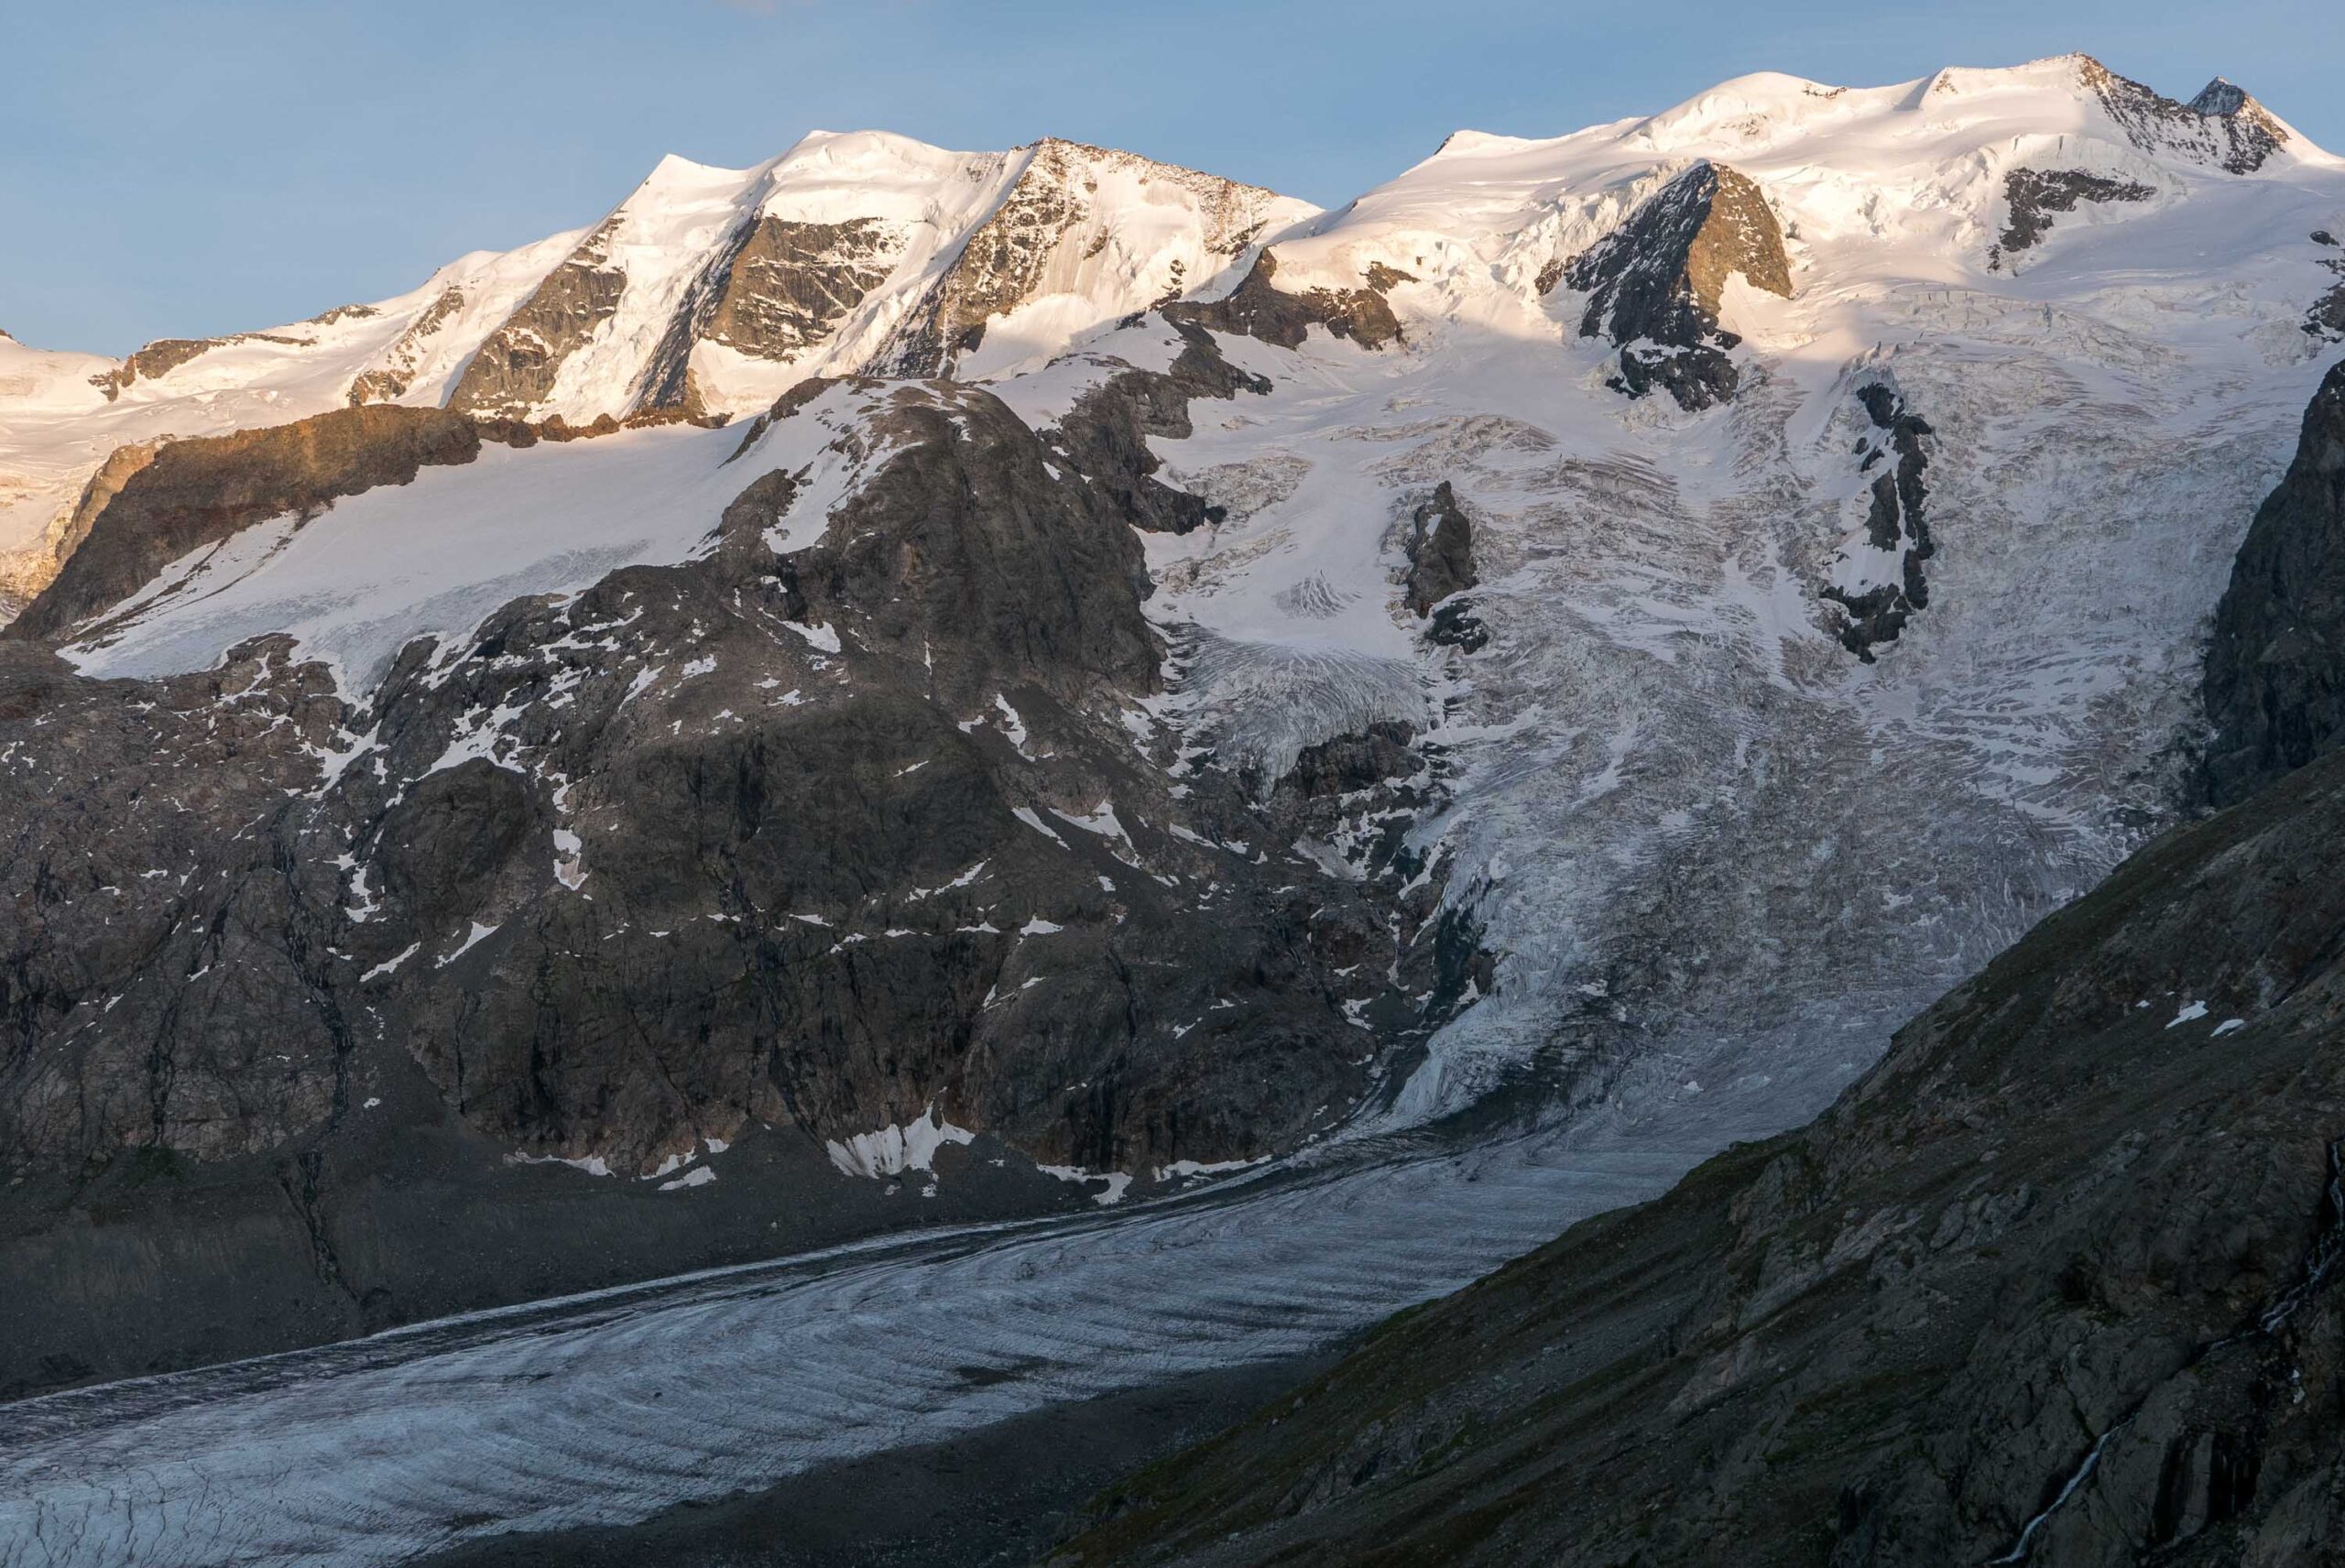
x=1897 y=532
x=1655 y=285
x=813 y=859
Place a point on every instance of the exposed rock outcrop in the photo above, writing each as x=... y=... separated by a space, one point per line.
x=2033 y=195
x=164 y=355
x=1106 y=431
x=38 y=567
x=514 y=371
x=1877 y=603
x=2325 y=319
x=185 y=495
x=1654 y=285
x=1440 y=550
x=1259 y=308
x=2275 y=668
x=2057 y=1282
x=778 y=291
x=2222 y=127
x=792 y=282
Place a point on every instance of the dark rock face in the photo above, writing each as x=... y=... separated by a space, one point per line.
x=116 y=471
x=1894 y=524
x=792 y=282
x=779 y=289
x=2057 y=1282
x=2275 y=668
x=188 y=493
x=1259 y=308
x=1106 y=433
x=1440 y=547
x=515 y=370
x=1654 y=284
x=1353 y=762
x=2325 y=318
x=2222 y=127
x=2035 y=194
x=1441 y=551
x=769 y=851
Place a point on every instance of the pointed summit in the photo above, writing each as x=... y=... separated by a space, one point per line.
x=2223 y=127
x=1656 y=283
x=2220 y=96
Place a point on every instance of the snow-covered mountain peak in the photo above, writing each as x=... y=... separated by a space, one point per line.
x=1757 y=109
x=706 y=289
x=676 y=175
x=712 y=290
x=2221 y=96
x=716 y=290
x=839 y=175
x=1956 y=176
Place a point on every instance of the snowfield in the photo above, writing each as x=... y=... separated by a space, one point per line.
x=434 y=557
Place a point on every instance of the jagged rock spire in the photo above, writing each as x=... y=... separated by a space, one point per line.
x=1656 y=283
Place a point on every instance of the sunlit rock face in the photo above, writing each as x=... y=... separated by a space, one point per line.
x=1654 y=285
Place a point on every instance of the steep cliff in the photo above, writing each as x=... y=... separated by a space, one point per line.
x=2275 y=668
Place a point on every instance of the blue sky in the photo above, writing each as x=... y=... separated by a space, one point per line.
x=192 y=167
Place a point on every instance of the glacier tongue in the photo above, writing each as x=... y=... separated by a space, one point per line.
x=605 y=1409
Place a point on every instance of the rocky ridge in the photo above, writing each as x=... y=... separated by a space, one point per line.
x=2276 y=667
x=2221 y=127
